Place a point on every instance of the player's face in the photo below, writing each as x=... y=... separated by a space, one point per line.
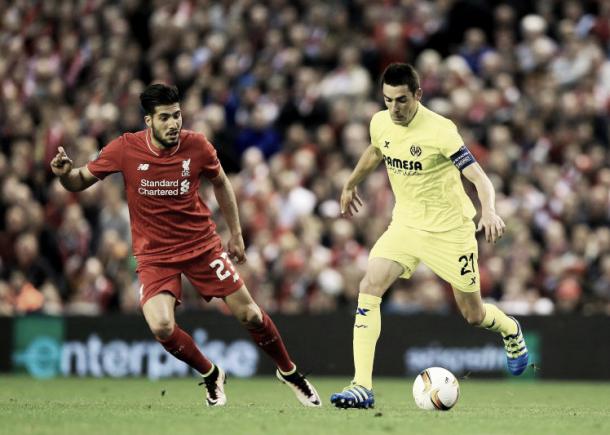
x=401 y=103
x=166 y=124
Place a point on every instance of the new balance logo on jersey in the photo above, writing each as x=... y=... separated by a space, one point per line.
x=186 y=170
x=143 y=167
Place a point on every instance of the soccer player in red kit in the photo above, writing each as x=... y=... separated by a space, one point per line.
x=173 y=234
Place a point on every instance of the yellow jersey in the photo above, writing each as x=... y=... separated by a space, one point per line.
x=426 y=184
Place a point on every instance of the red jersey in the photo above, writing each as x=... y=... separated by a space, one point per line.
x=169 y=220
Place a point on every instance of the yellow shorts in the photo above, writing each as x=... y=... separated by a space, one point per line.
x=452 y=255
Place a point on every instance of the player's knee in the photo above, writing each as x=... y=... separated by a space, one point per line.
x=162 y=328
x=250 y=316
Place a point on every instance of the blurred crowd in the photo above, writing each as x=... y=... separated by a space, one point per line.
x=285 y=90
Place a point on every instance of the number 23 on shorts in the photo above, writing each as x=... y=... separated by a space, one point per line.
x=224 y=268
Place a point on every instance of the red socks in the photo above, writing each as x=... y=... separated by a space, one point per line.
x=182 y=346
x=267 y=337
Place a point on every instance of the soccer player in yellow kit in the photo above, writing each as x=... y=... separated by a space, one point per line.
x=432 y=222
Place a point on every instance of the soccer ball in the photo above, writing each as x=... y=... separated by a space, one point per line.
x=436 y=389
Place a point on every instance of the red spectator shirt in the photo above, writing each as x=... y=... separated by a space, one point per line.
x=169 y=220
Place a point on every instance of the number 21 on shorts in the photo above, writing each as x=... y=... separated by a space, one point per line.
x=467 y=263
x=224 y=268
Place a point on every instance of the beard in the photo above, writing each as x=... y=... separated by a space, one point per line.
x=163 y=141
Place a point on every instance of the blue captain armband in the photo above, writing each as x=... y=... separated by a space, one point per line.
x=462 y=158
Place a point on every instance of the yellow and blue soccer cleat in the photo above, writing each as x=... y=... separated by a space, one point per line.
x=517 y=357
x=354 y=396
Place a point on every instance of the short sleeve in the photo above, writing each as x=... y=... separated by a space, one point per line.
x=373 y=130
x=108 y=160
x=449 y=140
x=210 y=165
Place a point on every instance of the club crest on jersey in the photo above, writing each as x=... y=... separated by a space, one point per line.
x=415 y=150
x=186 y=170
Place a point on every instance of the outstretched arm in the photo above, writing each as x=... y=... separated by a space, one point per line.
x=349 y=196
x=73 y=179
x=228 y=206
x=492 y=223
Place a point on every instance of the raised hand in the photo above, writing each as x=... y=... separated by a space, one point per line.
x=61 y=163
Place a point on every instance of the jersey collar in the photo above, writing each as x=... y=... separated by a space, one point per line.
x=165 y=152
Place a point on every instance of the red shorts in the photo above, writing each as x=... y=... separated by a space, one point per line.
x=211 y=273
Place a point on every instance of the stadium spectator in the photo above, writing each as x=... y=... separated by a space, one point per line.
x=530 y=89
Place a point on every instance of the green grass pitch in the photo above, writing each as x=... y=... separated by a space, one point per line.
x=264 y=406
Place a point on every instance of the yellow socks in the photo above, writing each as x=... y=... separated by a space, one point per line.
x=495 y=320
x=367 y=328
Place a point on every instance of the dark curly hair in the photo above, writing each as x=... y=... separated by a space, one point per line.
x=158 y=95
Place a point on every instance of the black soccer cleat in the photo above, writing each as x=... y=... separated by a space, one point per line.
x=214 y=387
x=302 y=388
